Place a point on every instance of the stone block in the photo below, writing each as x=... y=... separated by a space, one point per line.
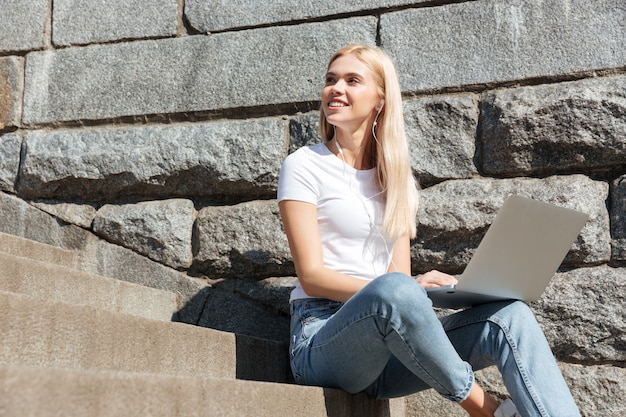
x=218 y=160
x=304 y=130
x=160 y=230
x=10 y=145
x=23 y=24
x=212 y=16
x=582 y=315
x=243 y=241
x=485 y=41
x=83 y=21
x=454 y=216
x=231 y=312
x=74 y=213
x=618 y=218
x=559 y=128
x=11 y=90
x=598 y=390
x=260 y=67
x=441 y=133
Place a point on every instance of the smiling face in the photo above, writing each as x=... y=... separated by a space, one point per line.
x=350 y=97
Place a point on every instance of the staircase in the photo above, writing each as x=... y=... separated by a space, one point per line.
x=78 y=344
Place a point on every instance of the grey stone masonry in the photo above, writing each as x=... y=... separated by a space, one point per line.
x=86 y=21
x=221 y=160
x=565 y=127
x=10 y=145
x=22 y=24
x=228 y=70
x=578 y=334
x=618 y=218
x=454 y=216
x=160 y=230
x=495 y=41
x=245 y=240
x=218 y=15
x=11 y=90
x=441 y=133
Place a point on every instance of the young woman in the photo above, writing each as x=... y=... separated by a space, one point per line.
x=360 y=322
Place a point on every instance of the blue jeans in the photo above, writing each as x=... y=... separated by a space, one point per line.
x=388 y=342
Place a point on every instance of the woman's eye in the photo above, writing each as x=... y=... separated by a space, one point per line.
x=330 y=80
x=353 y=80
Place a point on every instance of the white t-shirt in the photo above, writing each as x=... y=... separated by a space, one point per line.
x=350 y=210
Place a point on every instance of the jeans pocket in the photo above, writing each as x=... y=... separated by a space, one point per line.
x=313 y=314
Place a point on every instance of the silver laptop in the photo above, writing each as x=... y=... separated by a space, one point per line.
x=518 y=256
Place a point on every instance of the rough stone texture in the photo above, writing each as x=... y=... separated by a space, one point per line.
x=588 y=384
x=217 y=15
x=485 y=41
x=582 y=314
x=304 y=130
x=441 y=133
x=22 y=24
x=244 y=241
x=228 y=311
x=271 y=292
x=598 y=390
x=186 y=74
x=85 y=21
x=566 y=127
x=618 y=218
x=218 y=160
x=11 y=90
x=79 y=214
x=10 y=145
x=160 y=230
x=455 y=215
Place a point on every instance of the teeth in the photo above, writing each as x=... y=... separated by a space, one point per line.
x=336 y=104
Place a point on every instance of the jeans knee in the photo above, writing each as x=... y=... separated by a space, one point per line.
x=398 y=290
x=517 y=317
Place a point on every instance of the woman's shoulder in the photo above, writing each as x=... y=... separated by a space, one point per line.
x=314 y=154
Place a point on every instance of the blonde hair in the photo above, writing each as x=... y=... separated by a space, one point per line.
x=390 y=150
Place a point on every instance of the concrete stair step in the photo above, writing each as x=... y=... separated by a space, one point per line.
x=26 y=248
x=52 y=282
x=53 y=334
x=54 y=392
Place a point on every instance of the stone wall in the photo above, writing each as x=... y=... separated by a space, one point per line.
x=160 y=126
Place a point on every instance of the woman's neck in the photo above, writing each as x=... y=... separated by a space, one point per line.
x=354 y=150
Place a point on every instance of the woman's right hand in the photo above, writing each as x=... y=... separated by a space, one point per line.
x=434 y=278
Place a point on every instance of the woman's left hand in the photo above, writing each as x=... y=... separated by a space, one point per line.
x=435 y=278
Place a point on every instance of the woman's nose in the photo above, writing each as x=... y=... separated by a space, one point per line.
x=338 y=87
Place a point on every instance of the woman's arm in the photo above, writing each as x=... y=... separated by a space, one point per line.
x=300 y=222
x=401 y=258
x=401 y=262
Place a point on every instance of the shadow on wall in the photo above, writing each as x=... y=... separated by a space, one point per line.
x=340 y=404
x=261 y=336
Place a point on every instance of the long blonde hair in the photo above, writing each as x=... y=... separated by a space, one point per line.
x=390 y=150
